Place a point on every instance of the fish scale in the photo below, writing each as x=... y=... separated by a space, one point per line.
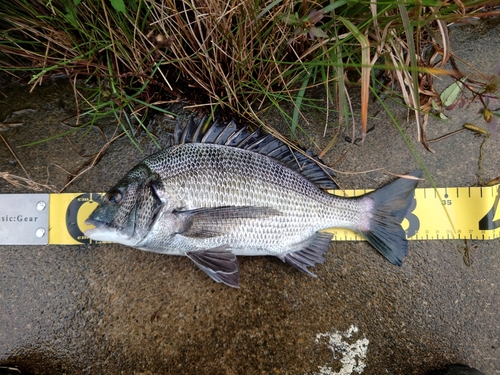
x=220 y=172
x=218 y=194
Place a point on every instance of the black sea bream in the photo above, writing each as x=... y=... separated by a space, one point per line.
x=225 y=192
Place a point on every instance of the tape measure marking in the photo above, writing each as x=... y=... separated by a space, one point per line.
x=435 y=214
x=444 y=213
x=67 y=216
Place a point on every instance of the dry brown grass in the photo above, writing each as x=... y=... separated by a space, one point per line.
x=242 y=56
x=232 y=52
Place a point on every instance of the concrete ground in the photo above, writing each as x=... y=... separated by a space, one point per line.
x=110 y=309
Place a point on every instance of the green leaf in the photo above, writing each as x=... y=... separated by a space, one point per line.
x=431 y=3
x=267 y=9
x=133 y=5
x=289 y=19
x=70 y=15
x=119 y=5
x=334 y=5
x=318 y=33
x=450 y=94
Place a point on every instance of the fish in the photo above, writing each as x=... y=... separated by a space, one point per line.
x=221 y=191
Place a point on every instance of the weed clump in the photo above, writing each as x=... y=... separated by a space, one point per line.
x=240 y=56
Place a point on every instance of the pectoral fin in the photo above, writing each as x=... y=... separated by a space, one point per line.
x=217 y=221
x=219 y=263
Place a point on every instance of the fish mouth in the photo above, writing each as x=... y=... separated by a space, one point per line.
x=95 y=223
x=97 y=232
x=104 y=233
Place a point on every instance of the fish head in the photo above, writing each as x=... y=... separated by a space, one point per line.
x=129 y=209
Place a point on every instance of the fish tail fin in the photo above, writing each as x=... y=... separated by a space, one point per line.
x=381 y=225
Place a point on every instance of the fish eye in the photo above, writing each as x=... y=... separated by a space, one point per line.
x=114 y=197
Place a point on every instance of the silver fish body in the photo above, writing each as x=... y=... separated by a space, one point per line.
x=214 y=200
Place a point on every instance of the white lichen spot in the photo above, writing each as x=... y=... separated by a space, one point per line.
x=350 y=355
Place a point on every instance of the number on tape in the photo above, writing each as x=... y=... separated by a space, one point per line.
x=435 y=214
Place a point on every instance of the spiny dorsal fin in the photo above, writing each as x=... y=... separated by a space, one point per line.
x=228 y=134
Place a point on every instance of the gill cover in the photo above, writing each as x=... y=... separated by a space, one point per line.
x=129 y=209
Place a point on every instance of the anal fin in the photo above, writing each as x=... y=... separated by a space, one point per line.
x=311 y=252
x=219 y=263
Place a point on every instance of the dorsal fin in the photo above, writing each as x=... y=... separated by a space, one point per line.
x=228 y=134
x=191 y=133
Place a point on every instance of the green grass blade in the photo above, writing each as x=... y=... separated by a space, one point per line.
x=298 y=104
x=413 y=59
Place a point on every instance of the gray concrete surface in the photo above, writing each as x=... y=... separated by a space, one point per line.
x=110 y=309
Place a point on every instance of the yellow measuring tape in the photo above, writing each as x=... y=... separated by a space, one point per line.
x=444 y=214
x=435 y=214
x=67 y=216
